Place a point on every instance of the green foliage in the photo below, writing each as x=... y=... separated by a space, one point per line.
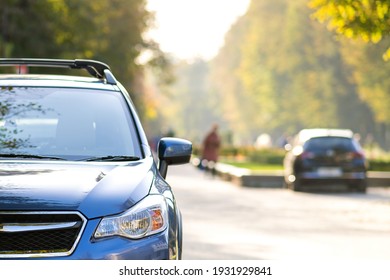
x=379 y=165
x=266 y=156
x=272 y=159
x=370 y=73
x=255 y=166
x=365 y=19
x=281 y=71
x=227 y=87
x=193 y=107
x=106 y=30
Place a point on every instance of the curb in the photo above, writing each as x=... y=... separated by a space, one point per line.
x=275 y=179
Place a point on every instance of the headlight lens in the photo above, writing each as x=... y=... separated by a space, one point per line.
x=148 y=217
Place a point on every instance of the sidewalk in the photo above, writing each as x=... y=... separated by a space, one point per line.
x=274 y=179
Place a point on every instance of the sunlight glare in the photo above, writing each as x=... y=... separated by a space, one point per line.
x=194 y=28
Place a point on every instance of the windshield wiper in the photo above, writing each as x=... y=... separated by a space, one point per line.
x=112 y=158
x=29 y=156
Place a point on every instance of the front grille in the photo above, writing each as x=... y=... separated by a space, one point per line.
x=27 y=234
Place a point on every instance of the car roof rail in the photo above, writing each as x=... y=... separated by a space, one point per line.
x=95 y=68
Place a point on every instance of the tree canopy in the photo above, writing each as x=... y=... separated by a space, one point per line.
x=365 y=19
x=280 y=71
x=107 y=30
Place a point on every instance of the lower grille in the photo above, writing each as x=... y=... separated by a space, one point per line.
x=39 y=234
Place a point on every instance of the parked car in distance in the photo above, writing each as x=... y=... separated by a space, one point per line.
x=321 y=159
x=78 y=178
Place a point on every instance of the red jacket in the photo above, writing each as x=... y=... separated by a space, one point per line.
x=211 y=146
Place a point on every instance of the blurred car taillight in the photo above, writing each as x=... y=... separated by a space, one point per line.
x=355 y=155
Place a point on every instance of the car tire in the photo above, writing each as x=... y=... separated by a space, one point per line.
x=359 y=186
x=362 y=186
x=296 y=185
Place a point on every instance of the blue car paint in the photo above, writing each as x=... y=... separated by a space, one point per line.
x=95 y=190
x=74 y=186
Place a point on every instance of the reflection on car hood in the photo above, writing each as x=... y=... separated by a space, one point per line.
x=94 y=189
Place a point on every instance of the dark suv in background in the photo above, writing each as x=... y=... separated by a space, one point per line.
x=78 y=178
x=323 y=159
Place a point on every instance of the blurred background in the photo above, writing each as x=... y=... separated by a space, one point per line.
x=262 y=70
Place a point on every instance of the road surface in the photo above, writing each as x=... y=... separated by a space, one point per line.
x=225 y=221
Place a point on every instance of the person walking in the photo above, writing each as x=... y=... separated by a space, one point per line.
x=210 y=150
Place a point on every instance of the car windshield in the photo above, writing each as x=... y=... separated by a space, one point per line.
x=323 y=144
x=67 y=123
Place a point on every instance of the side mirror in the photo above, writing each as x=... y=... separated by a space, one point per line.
x=173 y=151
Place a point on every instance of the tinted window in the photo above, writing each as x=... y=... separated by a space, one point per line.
x=322 y=144
x=71 y=123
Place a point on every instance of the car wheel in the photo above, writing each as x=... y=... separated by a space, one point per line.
x=296 y=185
x=362 y=186
x=358 y=186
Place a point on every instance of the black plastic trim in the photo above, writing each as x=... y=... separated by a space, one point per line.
x=95 y=68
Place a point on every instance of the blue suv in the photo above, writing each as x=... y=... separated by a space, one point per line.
x=78 y=179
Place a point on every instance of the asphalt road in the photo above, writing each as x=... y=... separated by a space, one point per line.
x=224 y=221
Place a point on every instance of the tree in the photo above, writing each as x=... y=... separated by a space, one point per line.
x=365 y=19
x=280 y=71
x=107 y=30
x=27 y=29
x=226 y=85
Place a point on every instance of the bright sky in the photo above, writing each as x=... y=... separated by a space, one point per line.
x=194 y=28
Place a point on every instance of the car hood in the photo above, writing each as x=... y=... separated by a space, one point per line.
x=94 y=189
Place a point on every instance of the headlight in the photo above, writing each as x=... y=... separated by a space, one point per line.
x=147 y=217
